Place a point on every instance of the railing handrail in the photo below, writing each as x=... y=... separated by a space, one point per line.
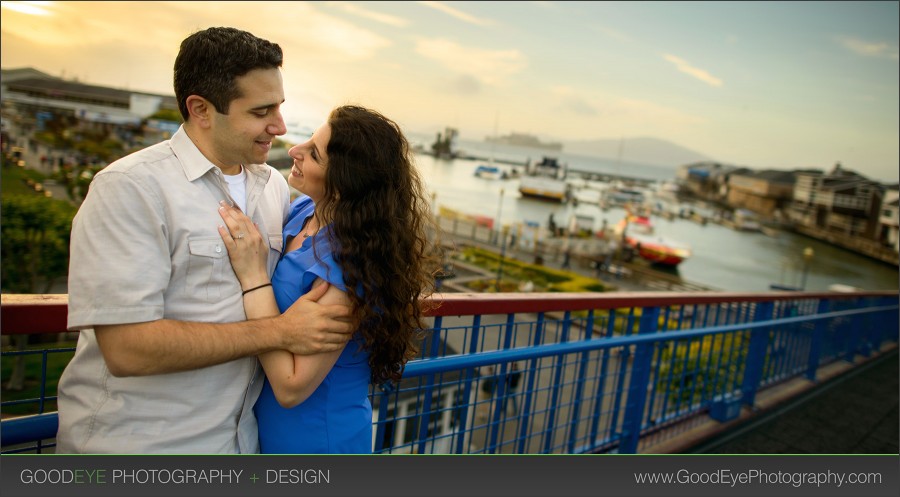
x=429 y=365
x=19 y=316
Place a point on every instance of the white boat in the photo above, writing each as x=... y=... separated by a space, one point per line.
x=545 y=180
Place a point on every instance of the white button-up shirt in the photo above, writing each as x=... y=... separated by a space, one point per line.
x=145 y=246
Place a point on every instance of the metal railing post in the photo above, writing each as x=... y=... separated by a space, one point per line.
x=756 y=354
x=854 y=333
x=638 y=384
x=818 y=336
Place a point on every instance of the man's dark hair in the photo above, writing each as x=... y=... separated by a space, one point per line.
x=209 y=61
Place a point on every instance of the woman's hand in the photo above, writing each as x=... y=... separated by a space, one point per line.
x=247 y=248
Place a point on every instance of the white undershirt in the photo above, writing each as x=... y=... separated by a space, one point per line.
x=237 y=186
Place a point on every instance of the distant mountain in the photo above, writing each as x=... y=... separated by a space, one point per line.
x=643 y=150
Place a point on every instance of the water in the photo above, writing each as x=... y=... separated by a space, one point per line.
x=723 y=258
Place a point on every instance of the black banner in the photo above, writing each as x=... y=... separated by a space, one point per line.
x=451 y=476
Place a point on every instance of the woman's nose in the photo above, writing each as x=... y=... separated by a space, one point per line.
x=296 y=152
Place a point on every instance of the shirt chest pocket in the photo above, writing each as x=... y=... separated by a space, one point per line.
x=209 y=273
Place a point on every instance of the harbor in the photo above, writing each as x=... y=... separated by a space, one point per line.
x=722 y=257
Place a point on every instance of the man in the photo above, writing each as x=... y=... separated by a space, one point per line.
x=166 y=362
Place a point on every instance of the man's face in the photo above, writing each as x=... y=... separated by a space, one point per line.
x=245 y=134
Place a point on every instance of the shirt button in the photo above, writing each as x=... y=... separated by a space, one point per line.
x=218 y=249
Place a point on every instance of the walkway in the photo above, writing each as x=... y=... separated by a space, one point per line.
x=857 y=412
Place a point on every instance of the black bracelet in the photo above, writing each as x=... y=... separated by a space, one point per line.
x=255 y=288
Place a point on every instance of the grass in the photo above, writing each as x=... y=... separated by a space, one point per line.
x=545 y=279
x=14 y=179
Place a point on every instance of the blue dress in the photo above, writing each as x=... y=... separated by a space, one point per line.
x=337 y=417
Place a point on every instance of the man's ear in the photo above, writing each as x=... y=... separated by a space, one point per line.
x=200 y=110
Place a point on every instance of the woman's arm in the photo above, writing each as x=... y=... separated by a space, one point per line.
x=293 y=377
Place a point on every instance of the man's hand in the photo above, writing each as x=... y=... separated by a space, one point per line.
x=317 y=322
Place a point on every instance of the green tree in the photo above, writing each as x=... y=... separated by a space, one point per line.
x=34 y=239
x=167 y=115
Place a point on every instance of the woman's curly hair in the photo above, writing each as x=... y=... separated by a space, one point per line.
x=383 y=233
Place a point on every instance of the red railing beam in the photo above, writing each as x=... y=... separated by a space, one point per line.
x=27 y=314
x=462 y=304
x=33 y=314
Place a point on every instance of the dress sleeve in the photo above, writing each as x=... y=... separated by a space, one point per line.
x=327 y=269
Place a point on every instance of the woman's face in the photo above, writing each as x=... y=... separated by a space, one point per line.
x=310 y=159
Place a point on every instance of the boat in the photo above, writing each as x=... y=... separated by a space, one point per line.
x=545 y=180
x=444 y=146
x=637 y=232
x=524 y=140
x=623 y=196
x=746 y=220
x=488 y=172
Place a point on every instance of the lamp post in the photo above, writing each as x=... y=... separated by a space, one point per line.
x=502 y=239
x=808 y=254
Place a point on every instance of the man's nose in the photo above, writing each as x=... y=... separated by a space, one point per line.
x=277 y=126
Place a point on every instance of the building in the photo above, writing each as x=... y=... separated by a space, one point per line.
x=707 y=180
x=767 y=193
x=889 y=220
x=38 y=98
x=841 y=202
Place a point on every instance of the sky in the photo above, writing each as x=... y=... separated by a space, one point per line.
x=766 y=85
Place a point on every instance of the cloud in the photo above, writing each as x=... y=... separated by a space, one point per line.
x=29 y=8
x=683 y=66
x=487 y=66
x=357 y=10
x=570 y=101
x=311 y=33
x=462 y=16
x=868 y=49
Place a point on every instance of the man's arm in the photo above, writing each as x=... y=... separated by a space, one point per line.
x=168 y=346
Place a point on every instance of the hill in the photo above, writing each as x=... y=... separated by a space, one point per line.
x=643 y=150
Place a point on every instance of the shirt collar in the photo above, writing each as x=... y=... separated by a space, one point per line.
x=195 y=164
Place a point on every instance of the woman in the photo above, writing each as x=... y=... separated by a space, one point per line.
x=362 y=227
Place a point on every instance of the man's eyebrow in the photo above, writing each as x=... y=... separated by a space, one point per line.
x=263 y=107
x=266 y=106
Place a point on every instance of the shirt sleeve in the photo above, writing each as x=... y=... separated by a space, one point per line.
x=119 y=256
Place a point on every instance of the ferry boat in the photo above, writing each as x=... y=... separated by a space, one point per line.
x=545 y=180
x=637 y=232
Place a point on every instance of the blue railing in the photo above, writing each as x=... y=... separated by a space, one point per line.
x=616 y=372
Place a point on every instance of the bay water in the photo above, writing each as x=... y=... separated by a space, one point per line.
x=723 y=258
